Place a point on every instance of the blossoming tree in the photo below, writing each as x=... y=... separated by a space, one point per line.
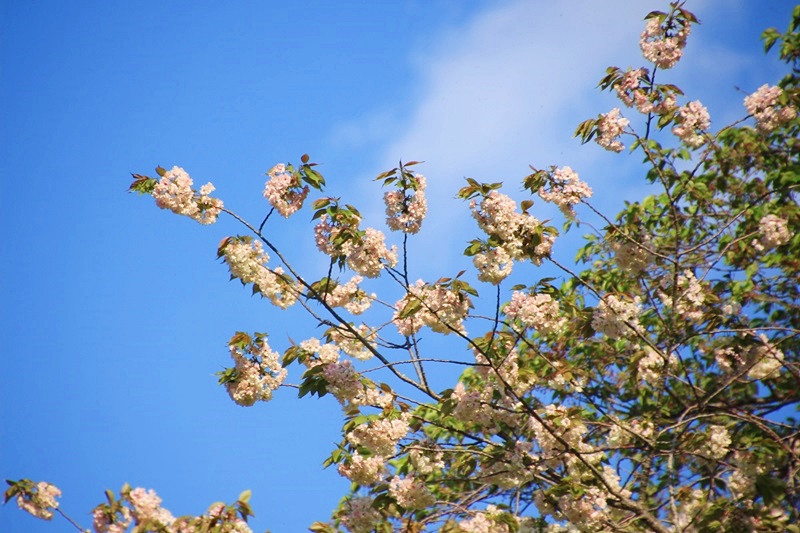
x=652 y=391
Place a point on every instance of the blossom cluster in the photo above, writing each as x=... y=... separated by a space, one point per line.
x=406 y=208
x=766 y=109
x=774 y=232
x=146 y=508
x=493 y=265
x=693 y=120
x=440 y=308
x=352 y=345
x=365 y=252
x=174 y=192
x=284 y=191
x=363 y=470
x=632 y=257
x=688 y=298
x=360 y=516
x=566 y=190
x=41 y=501
x=410 y=493
x=247 y=261
x=520 y=234
x=472 y=405
x=350 y=297
x=654 y=365
x=381 y=436
x=609 y=127
x=257 y=373
x=617 y=317
x=645 y=99
x=661 y=44
x=538 y=311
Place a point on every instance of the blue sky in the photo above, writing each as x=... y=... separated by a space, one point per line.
x=116 y=314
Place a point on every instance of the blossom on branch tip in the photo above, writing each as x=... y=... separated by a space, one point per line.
x=566 y=190
x=257 y=373
x=662 y=42
x=406 y=208
x=609 y=127
x=174 y=192
x=284 y=190
x=766 y=108
x=693 y=120
x=41 y=501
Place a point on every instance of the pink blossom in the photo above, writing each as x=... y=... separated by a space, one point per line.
x=566 y=190
x=662 y=46
x=609 y=127
x=766 y=109
x=174 y=192
x=693 y=120
x=364 y=471
x=410 y=493
x=406 y=208
x=442 y=309
x=284 y=191
x=538 y=311
x=360 y=516
x=40 y=502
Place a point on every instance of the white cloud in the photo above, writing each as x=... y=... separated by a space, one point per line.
x=505 y=90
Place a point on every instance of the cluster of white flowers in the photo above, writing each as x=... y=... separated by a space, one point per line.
x=41 y=502
x=343 y=381
x=350 y=296
x=369 y=256
x=103 y=523
x=410 y=493
x=569 y=429
x=766 y=110
x=360 y=516
x=688 y=302
x=631 y=257
x=514 y=469
x=566 y=190
x=442 y=309
x=661 y=48
x=257 y=373
x=768 y=360
x=646 y=101
x=405 y=209
x=425 y=461
x=482 y=522
x=174 y=192
x=284 y=191
x=623 y=432
x=693 y=120
x=654 y=365
x=617 y=317
x=718 y=442
x=146 y=507
x=774 y=232
x=366 y=254
x=609 y=128
x=350 y=344
x=319 y=353
x=497 y=216
x=363 y=470
x=246 y=260
x=494 y=265
x=219 y=517
x=472 y=406
x=538 y=311
x=381 y=436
